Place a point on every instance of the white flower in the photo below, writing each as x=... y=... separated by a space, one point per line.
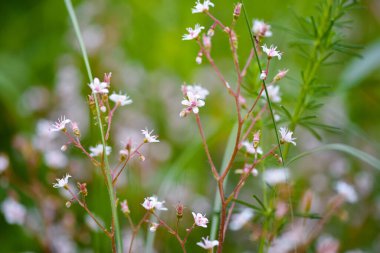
x=200 y=220
x=60 y=124
x=4 y=162
x=246 y=169
x=121 y=99
x=260 y=28
x=276 y=176
x=347 y=191
x=193 y=33
x=251 y=149
x=240 y=219
x=98 y=87
x=98 y=150
x=13 y=211
x=153 y=227
x=272 y=52
x=124 y=207
x=149 y=137
x=193 y=102
x=274 y=93
x=55 y=159
x=286 y=135
x=62 y=182
x=207 y=244
x=202 y=7
x=151 y=203
x=263 y=75
x=197 y=90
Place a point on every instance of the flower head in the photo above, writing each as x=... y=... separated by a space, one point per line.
x=261 y=29
x=124 y=207
x=98 y=150
x=152 y=202
x=251 y=148
x=274 y=93
x=98 y=87
x=276 y=176
x=207 y=244
x=13 y=211
x=272 y=52
x=246 y=169
x=286 y=136
x=238 y=220
x=193 y=33
x=121 y=99
x=199 y=8
x=193 y=102
x=153 y=226
x=347 y=191
x=60 y=124
x=197 y=90
x=200 y=220
x=148 y=136
x=62 y=182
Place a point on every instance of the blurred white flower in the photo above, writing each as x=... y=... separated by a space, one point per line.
x=98 y=150
x=200 y=220
x=121 y=99
x=13 y=211
x=246 y=169
x=327 y=244
x=238 y=220
x=55 y=159
x=272 y=52
x=152 y=202
x=207 y=244
x=251 y=148
x=260 y=28
x=286 y=135
x=274 y=93
x=62 y=182
x=60 y=124
x=124 y=207
x=347 y=191
x=263 y=75
x=199 y=8
x=92 y=224
x=289 y=240
x=98 y=87
x=193 y=102
x=149 y=137
x=4 y=162
x=153 y=226
x=197 y=90
x=276 y=176
x=193 y=33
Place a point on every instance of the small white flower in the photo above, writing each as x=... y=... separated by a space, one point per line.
x=251 y=149
x=98 y=150
x=4 y=162
x=272 y=52
x=193 y=33
x=98 y=87
x=347 y=191
x=124 y=207
x=240 y=219
x=286 y=135
x=246 y=169
x=153 y=227
x=274 y=93
x=62 y=182
x=207 y=244
x=200 y=220
x=149 y=137
x=193 y=102
x=263 y=75
x=151 y=203
x=121 y=99
x=198 y=60
x=60 y=124
x=276 y=176
x=13 y=211
x=199 y=8
x=260 y=28
x=197 y=90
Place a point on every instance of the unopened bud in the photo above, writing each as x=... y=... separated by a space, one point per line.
x=124 y=207
x=153 y=227
x=206 y=41
x=63 y=148
x=179 y=210
x=211 y=32
x=307 y=201
x=198 y=59
x=227 y=29
x=280 y=75
x=142 y=158
x=237 y=11
x=75 y=128
x=123 y=154
x=83 y=189
x=256 y=139
x=234 y=39
x=103 y=108
x=68 y=204
x=263 y=75
x=107 y=78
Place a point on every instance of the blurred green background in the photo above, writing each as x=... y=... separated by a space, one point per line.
x=42 y=76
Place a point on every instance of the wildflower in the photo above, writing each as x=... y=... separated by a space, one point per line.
x=327 y=244
x=153 y=226
x=193 y=102
x=246 y=169
x=240 y=219
x=281 y=74
x=261 y=29
x=4 y=162
x=124 y=207
x=13 y=211
x=107 y=78
x=263 y=75
x=198 y=59
x=151 y=203
x=197 y=90
x=121 y=99
x=149 y=137
x=60 y=124
x=286 y=136
x=256 y=139
x=274 y=93
x=62 y=182
x=251 y=149
x=237 y=10
x=200 y=220
x=276 y=176
x=347 y=191
x=199 y=8
x=55 y=159
x=193 y=34
x=272 y=52
x=207 y=244
x=98 y=150
x=98 y=87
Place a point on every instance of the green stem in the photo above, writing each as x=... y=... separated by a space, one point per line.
x=111 y=192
